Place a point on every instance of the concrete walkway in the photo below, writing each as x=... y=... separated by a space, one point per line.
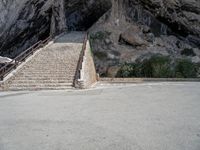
x=153 y=116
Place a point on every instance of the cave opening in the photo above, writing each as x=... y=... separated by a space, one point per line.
x=81 y=15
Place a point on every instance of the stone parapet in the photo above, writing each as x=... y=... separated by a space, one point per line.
x=88 y=75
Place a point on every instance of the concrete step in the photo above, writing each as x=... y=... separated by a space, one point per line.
x=42 y=85
x=39 y=88
x=52 y=62
x=50 y=74
x=49 y=69
x=45 y=66
x=57 y=78
x=44 y=78
x=29 y=74
x=41 y=81
x=54 y=65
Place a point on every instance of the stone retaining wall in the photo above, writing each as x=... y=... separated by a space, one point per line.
x=88 y=72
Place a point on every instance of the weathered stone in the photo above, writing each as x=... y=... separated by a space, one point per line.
x=25 y=22
x=150 y=37
x=182 y=16
x=166 y=27
x=108 y=41
x=132 y=37
x=146 y=29
x=196 y=59
x=112 y=71
x=194 y=40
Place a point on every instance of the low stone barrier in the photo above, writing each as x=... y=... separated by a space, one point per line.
x=139 y=80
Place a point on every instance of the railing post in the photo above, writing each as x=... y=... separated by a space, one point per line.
x=31 y=51
x=2 y=74
x=15 y=65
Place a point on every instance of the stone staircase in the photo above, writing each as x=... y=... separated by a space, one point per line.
x=53 y=67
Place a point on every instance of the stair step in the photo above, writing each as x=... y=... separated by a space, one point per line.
x=47 y=74
x=48 y=71
x=39 y=88
x=40 y=81
x=50 y=68
x=42 y=85
x=45 y=67
x=32 y=70
x=44 y=78
x=53 y=62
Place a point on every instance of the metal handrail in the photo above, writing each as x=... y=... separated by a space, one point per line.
x=6 y=69
x=80 y=62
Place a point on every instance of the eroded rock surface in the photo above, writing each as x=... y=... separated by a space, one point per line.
x=133 y=37
x=24 y=22
x=166 y=27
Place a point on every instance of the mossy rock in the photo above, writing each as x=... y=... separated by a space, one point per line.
x=157 y=67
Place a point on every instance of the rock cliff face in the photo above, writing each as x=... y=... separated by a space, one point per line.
x=138 y=29
x=24 y=22
x=182 y=16
x=160 y=26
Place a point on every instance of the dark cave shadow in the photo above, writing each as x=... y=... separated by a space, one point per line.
x=71 y=37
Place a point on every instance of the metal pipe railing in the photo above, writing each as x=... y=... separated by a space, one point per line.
x=6 y=69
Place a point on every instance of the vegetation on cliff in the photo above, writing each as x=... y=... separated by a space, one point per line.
x=160 y=67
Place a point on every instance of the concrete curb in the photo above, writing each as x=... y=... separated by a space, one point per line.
x=140 y=80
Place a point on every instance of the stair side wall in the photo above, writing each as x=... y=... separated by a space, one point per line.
x=88 y=72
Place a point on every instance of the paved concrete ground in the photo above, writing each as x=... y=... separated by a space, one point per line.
x=156 y=116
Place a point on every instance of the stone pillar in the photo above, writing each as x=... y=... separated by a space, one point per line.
x=58 y=20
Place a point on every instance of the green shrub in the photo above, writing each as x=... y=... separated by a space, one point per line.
x=103 y=75
x=198 y=70
x=126 y=70
x=188 y=52
x=185 y=69
x=156 y=67
x=160 y=67
x=146 y=69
